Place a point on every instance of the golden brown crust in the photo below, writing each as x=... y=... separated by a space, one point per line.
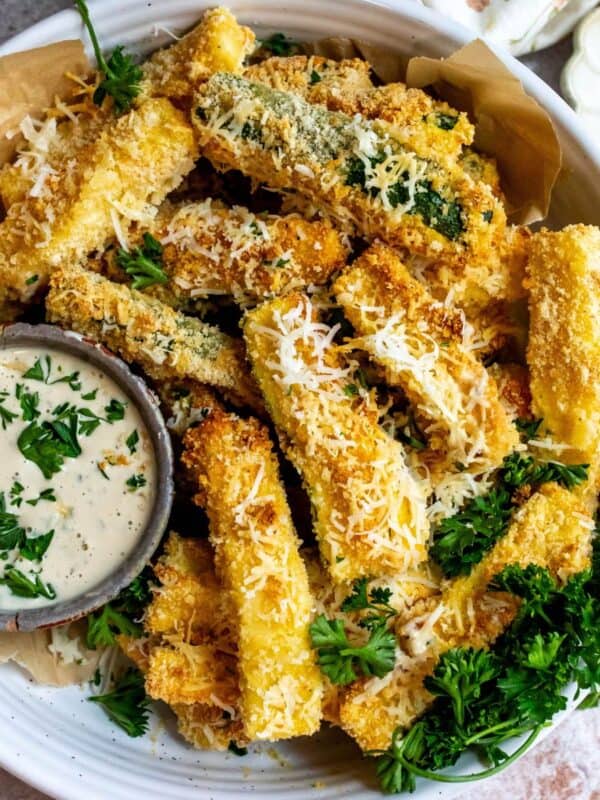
x=258 y=560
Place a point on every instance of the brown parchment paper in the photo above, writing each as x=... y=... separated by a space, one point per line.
x=29 y=82
x=509 y=125
x=32 y=652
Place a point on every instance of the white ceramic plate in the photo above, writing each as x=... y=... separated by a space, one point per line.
x=64 y=745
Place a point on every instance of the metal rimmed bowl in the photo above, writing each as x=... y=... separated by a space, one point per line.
x=25 y=335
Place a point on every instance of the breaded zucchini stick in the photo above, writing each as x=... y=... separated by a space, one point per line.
x=132 y=164
x=357 y=169
x=166 y=344
x=191 y=651
x=209 y=249
x=564 y=338
x=369 y=510
x=430 y=127
x=467 y=614
x=257 y=558
x=421 y=345
x=218 y=44
x=190 y=603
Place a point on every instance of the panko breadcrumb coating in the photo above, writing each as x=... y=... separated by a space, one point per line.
x=369 y=511
x=552 y=530
x=189 y=626
x=218 y=44
x=167 y=344
x=357 y=169
x=563 y=351
x=421 y=345
x=131 y=165
x=211 y=250
x=430 y=127
x=257 y=558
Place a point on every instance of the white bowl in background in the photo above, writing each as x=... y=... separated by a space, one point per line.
x=64 y=745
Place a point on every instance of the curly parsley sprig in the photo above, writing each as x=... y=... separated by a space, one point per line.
x=127 y=704
x=144 y=264
x=344 y=662
x=485 y=698
x=121 y=75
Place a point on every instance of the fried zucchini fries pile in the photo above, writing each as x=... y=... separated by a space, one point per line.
x=317 y=275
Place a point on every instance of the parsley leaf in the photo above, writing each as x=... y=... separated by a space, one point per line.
x=121 y=614
x=528 y=428
x=29 y=402
x=237 y=751
x=127 y=704
x=115 y=410
x=40 y=370
x=47 y=445
x=11 y=533
x=519 y=470
x=135 y=482
x=460 y=541
x=340 y=661
x=22 y=586
x=45 y=494
x=16 y=490
x=132 y=441
x=144 y=264
x=121 y=76
x=34 y=548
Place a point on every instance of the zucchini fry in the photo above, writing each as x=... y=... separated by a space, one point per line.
x=369 y=510
x=564 y=339
x=209 y=249
x=358 y=169
x=422 y=346
x=192 y=652
x=467 y=614
x=133 y=163
x=431 y=128
x=218 y=44
x=166 y=344
x=258 y=560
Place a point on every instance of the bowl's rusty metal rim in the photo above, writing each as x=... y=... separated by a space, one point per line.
x=25 y=335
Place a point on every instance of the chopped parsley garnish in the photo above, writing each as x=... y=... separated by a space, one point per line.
x=45 y=494
x=16 y=491
x=40 y=370
x=34 y=548
x=144 y=264
x=446 y=122
x=462 y=540
x=488 y=215
x=121 y=75
x=135 y=482
x=90 y=395
x=48 y=444
x=121 y=615
x=29 y=402
x=22 y=586
x=11 y=533
x=127 y=704
x=115 y=411
x=315 y=77
x=484 y=698
x=528 y=428
x=6 y=416
x=132 y=441
x=519 y=470
x=279 y=45
x=31 y=280
x=351 y=390
x=338 y=659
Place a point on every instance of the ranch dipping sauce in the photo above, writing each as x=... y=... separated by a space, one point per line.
x=77 y=476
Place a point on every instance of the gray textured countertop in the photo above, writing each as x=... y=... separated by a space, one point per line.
x=567 y=765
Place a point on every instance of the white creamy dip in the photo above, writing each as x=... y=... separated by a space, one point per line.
x=96 y=502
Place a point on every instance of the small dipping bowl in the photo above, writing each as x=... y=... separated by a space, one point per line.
x=54 y=339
